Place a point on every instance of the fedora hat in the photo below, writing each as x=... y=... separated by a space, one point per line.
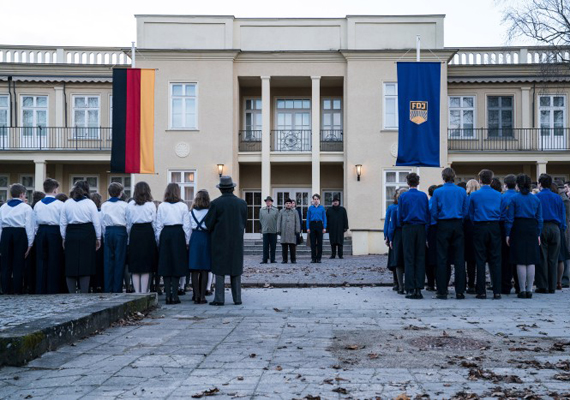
x=268 y=198
x=226 y=183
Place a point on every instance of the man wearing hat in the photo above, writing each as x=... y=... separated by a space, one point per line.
x=226 y=222
x=289 y=227
x=337 y=221
x=268 y=220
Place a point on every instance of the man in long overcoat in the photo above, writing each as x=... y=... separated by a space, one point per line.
x=337 y=225
x=289 y=227
x=226 y=222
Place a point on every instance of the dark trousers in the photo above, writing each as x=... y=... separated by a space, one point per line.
x=115 y=258
x=170 y=287
x=414 y=241
x=30 y=272
x=13 y=246
x=450 y=234
x=506 y=266
x=336 y=247
x=292 y=248
x=269 y=245
x=487 y=244
x=235 y=282
x=49 y=255
x=471 y=268
x=199 y=283
x=546 y=274
x=316 y=237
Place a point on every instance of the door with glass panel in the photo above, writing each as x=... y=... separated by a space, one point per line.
x=302 y=197
x=4 y=144
x=253 y=200
x=552 y=135
x=86 y=117
x=34 y=132
x=331 y=124
x=293 y=131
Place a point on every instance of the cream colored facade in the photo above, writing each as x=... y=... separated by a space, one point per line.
x=216 y=76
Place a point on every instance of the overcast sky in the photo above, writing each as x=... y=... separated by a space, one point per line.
x=112 y=22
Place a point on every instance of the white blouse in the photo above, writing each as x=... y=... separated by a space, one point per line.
x=113 y=213
x=47 y=214
x=173 y=214
x=19 y=216
x=200 y=215
x=80 y=212
x=137 y=214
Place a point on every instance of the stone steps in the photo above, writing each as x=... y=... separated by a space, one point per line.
x=255 y=247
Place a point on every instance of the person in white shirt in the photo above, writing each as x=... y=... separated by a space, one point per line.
x=141 y=224
x=16 y=239
x=200 y=247
x=80 y=228
x=172 y=235
x=114 y=230
x=47 y=213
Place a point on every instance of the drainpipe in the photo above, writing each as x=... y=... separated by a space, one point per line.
x=64 y=106
x=11 y=106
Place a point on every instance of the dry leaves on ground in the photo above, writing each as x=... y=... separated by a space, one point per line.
x=205 y=393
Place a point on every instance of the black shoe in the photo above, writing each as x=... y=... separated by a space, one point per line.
x=471 y=291
x=411 y=296
x=419 y=294
x=481 y=296
x=341 y=257
x=209 y=293
x=293 y=262
x=441 y=296
x=216 y=303
x=497 y=296
x=522 y=295
x=551 y=291
x=238 y=303
x=318 y=261
x=460 y=296
x=401 y=292
x=263 y=262
x=181 y=292
x=283 y=262
x=540 y=291
x=313 y=261
x=331 y=257
x=175 y=301
x=395 y=288
x=430 y=289
x=528 y=295
x=168 y=300
x=273 y=262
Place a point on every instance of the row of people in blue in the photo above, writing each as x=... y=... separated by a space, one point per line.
x=518 y=234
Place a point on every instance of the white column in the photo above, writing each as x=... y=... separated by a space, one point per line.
x=316 y=134
x=59 y=107
x=525 y=106
x=265 y=136
x=40 y=175
x=540 y=168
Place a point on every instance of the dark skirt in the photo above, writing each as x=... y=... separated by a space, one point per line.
x=397 y=249
x=80 y=259
x=564 y=253
x=172 y=252
x=200 y=251
x=142 y=251
x=524 y=248
x=469 y=248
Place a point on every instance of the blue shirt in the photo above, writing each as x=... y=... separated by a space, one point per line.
x=413 y=208
x=449 y=202
x=394 y=223
x=523 y=206
x=317 y=214
x=552 y=207
x=505 y=201
x=485 y=205
x=387 y=219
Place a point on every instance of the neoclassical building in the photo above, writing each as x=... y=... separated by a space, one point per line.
x=288 y=107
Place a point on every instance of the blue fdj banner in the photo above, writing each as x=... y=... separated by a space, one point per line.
x=418 y=113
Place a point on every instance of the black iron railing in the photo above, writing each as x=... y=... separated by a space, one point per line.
x=55 y=138
x=250 y=140
x=510 y=139
x=291 y=140
x=331 y=140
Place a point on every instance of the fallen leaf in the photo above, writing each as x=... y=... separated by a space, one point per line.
x=352 y=347
x=205 y=393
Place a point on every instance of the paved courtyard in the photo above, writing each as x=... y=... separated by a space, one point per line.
x=327 y=343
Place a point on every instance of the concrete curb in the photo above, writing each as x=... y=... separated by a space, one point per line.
x=25 y=342
x=313 y=284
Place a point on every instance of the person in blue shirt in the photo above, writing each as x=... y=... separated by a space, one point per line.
x=485 y=213
x=554 y=216
x=413 y=215
x=523 y=225
x=386 y=226
x=448 y=210
x=508 y=270
x=396 y=245
x=316 y=227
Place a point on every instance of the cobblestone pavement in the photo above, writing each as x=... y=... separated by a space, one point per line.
x=16 y=310
x=336 y=343
x=354 y=270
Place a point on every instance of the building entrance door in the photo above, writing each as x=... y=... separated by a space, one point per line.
x=301 y=195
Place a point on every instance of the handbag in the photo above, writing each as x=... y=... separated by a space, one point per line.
x=299 y=239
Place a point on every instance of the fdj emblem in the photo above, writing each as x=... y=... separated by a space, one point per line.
x=418 y=112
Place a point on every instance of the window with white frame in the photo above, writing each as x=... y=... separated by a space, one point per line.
x=552 y=109
x=500 y=116
x=390 y=106
x=92 y=180
x=461 y=117
x=183 y=106
x=28 y=182
x=252 y=119
x=393 y=180
x=331 y=119
x=86 y=116
x=124 y=180
x=4 y=187
x=4 y=116
x=329 y=195
x=34 y=115
x=187 y=181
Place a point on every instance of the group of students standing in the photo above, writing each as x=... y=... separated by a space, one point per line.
x=520 y=235
x=68 y=237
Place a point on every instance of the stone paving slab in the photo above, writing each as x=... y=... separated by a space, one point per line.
x=32 y=325
x=336 y=343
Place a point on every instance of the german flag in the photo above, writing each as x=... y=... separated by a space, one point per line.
x=133 y=121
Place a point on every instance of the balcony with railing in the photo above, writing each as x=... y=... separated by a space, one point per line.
x=55 y=139
x=291 y=140
x=510 y=55
x=509 y=140
x=249 y=140
x=63 y=55
x=295 y=140
x=331 y=140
